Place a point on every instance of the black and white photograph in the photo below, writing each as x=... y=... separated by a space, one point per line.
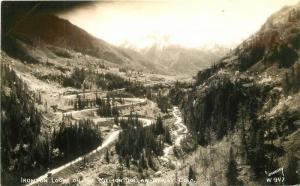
x=150 y=93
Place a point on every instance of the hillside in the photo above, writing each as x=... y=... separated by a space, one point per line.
x=249 y=102
x=46 y=32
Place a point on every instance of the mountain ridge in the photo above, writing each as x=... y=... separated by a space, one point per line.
x=251 y=98
x=38 y=31
x=46 y=29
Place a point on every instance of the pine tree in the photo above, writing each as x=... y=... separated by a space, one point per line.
x=231 y=172
x=192 y=175
x=257 y=151
x=159 y=128
x=39 y=101
x=127 y=162
x=167 y=136
x=293 y=80
x=143 y=161
x=107 y=156
x=292 y=176
x=286 y=84
x=140 y=168
x=297 y=78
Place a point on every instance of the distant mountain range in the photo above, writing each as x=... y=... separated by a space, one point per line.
x=38 y=31
x=183 y=60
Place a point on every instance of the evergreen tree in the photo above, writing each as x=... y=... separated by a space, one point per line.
x=243 y=118
x=297 y=78
x=127 y=162
x=107 y=156
x=192 y=174
x=231 y=172
x=136 y=142
x=168 y=138
x=82 y=135
x=286 y=84
x=159 y=128
x=143 y=161
x=163 y=102
x=23 y=147
x=257 y=152
x=292 y=176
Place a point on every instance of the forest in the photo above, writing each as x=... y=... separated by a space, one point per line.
x=230 y=105
x=25 y=149
x=23 y=145
x=82 y=135
x=140 y=144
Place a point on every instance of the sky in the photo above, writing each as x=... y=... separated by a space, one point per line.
x=189 y=23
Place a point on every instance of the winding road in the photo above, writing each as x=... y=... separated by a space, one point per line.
x=134 y=102
x=111 y=138
x=179 y=131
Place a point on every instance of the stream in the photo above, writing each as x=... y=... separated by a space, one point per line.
x=178 y=133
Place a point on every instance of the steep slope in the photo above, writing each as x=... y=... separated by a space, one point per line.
x=252 y=97
x=49 y=32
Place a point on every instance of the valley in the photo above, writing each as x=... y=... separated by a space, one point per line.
x=76 y=110
x=58 y=104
